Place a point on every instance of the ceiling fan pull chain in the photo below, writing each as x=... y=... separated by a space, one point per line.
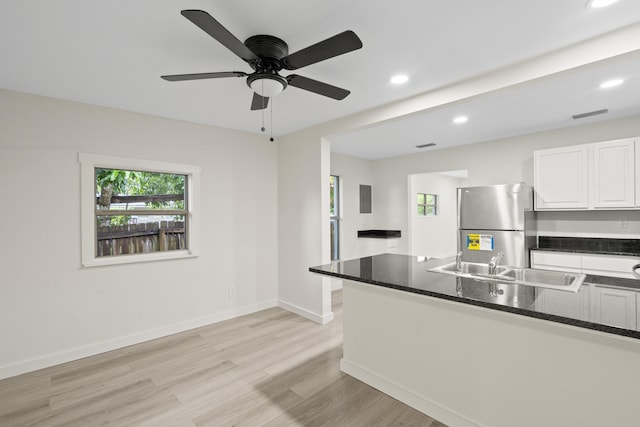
x=271 y=130
x=262 y=101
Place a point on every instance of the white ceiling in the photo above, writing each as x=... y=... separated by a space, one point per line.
x=112 y=53
x=533 y=106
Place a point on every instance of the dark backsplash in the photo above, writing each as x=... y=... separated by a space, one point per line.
x=590 y=244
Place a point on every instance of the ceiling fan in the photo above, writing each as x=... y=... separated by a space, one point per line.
x=267 y=55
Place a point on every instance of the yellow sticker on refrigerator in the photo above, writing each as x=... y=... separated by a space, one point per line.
x=480 y=242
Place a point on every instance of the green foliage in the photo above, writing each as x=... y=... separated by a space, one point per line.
x=139 y=183
x=105 y=221
x=332 y=195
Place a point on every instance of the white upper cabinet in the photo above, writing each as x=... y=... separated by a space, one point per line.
x=561 y=178
x=588 y=176
x=614 y=174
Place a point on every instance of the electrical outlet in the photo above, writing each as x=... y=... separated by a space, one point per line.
x=623 y=223
x=232 y=292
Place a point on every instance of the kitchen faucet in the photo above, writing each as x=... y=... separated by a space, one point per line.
x=459 y=261
x=494 y=263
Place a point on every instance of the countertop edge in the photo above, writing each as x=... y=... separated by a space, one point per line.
x=514 y=310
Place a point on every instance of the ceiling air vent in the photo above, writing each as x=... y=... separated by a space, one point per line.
x=431 y=144
x=589 y=114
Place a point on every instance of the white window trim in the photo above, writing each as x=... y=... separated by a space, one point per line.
x=88 y=163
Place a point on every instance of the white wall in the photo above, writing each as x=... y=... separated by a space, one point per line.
x=51 y=309
x=497 y=162
x=352 y=172
x=434 y=236
x=589 y=224
x=303 y=224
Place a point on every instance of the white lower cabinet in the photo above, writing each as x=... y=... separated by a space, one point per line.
x=637 y=311
x=614 y=307
x=600 y=304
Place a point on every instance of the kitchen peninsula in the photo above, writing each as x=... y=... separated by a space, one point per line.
x=472 y=353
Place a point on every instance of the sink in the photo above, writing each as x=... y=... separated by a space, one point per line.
x=467 y=269
x=517 y=276
x=546 y=278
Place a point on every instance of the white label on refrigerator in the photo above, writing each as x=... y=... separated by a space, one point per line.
x=480 y=242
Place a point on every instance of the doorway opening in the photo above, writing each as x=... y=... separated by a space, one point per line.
x=433 y=212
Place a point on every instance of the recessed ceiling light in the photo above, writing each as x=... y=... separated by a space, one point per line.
x=399 y=79
x=611 y=83
x=460 y=119
x=595 y=4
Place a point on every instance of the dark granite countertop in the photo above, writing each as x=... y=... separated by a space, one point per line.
x=379 y=234
x=590 y=245
x=614 y=282
x=410 y=274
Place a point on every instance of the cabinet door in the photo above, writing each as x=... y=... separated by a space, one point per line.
x=638 y=311
x=613 y=174
x=615 y=307
x=563 y=303
x=637 y=165
x=561 y=178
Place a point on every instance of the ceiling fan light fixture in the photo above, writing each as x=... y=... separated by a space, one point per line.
x=267 y=85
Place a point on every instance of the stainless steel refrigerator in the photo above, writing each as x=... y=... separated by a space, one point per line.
x=496 y=218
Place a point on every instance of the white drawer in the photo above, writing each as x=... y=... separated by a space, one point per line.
x=556 y=261
x=610 y=265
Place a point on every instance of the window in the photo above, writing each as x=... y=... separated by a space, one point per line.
x=427 y=204
x=334 y=205
x=136 y=210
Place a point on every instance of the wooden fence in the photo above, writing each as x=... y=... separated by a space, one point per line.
x=141 y=238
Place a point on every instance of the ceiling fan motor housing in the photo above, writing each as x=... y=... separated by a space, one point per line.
x=266 y=81
x=266 y=46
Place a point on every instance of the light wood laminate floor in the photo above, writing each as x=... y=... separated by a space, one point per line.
x=270 y=368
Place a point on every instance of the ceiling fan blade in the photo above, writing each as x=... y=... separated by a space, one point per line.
x=209 y=25
x=198 y=76
x=333 y=46
x=317 y=87
x=259 y=102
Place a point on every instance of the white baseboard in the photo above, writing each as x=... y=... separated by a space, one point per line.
x=404 y=395
x=97 y=348
x=318 y=318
